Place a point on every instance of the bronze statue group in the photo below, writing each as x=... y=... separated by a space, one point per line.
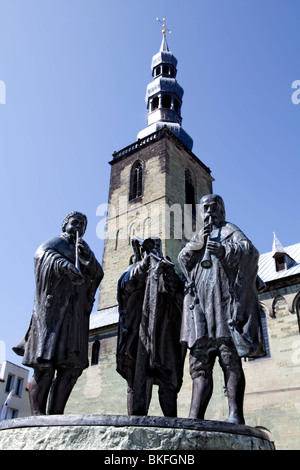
x=211 y=309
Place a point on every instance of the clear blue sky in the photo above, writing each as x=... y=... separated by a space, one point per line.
x=76 y=73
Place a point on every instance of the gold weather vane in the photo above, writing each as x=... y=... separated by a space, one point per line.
x=163 y=23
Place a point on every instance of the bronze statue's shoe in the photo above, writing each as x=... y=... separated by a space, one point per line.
x=235 y=420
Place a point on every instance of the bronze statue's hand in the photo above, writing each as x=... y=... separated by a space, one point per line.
x=84 y=249
x=206 y=231
x=75 y=276
x=168 y=270
x=216 y=249
x=146 y=257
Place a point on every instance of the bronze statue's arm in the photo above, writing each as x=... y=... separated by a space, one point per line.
x=190 y=254
x=136 y=276
x=63 y=266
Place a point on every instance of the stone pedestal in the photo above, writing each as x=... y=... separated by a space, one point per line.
x=116 y=432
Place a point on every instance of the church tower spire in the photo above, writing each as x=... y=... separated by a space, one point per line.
x=164 y=96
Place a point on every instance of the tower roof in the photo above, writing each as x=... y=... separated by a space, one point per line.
x=164 y=55
x=164 y=96
x=164 y=44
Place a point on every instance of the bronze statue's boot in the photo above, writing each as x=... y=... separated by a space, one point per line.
x=236 y=415
x=201 y=394
x=129 y=401
x=61 y=389
x=235 y=396
x=142 y=395
x=168 y=402
x=39 y=387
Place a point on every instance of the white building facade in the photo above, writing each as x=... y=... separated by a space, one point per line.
x=14 y=378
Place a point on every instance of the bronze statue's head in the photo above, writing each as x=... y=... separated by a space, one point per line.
x=75 y=221
x=212 y=205
x=146 y=246
x=157 y=246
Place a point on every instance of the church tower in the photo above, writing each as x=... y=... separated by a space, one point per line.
x=155 y=182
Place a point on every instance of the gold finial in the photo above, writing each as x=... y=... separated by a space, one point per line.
x=165 y=28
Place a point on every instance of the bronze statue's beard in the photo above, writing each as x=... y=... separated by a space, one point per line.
x=216 y=221
x=70 y=235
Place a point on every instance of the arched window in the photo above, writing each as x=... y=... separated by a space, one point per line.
x=190 y=192
x=132 y=228
x=95 y=353
x=136 y=181
x=265 y=330
x=117 y=239
x=297 y=309
x=280 y=306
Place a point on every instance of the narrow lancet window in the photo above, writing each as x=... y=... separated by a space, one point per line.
x=190 y=192
x=136 y=181
x=95 y=353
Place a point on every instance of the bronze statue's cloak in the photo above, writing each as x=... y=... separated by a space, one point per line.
x=147 y=347
x=226 y=293
x=59 y=326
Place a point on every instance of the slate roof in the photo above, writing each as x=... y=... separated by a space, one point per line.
x=106 y=317
x=267 y=267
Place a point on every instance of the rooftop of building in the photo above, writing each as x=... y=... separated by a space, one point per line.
x=102 y=318
x=267 y=262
